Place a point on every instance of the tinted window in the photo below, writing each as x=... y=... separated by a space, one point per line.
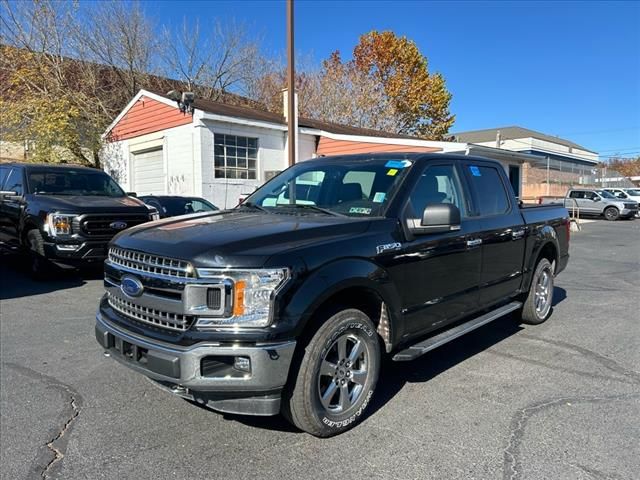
x=437 y=184
x=72 y=182
x=13 y=182
x=172 y=207
x=490 y=193
x=576 y=195
x=4 y=171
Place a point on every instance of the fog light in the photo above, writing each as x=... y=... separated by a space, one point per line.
x=243 y=364
x=67 y=246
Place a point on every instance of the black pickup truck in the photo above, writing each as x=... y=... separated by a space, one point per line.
x=63 y=214
x=289 y=302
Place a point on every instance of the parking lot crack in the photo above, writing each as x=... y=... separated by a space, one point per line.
x=53 y=451
x=512 y=464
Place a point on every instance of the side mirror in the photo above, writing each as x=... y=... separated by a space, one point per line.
x=596 y=199
x=132 y=194
x=436 y=218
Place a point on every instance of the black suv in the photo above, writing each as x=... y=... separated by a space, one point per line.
x=64 y=214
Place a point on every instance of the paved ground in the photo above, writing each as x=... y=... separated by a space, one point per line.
x=558 y=401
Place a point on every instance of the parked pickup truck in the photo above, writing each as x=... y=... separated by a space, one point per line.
x=288 y=302
x=595 y=202
x=63 y=214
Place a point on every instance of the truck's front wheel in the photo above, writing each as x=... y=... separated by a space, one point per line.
x=337 y=375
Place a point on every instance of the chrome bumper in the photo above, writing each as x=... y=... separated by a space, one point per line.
x=185 y=367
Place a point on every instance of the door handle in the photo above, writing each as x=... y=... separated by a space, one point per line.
x=474 y=243
x=516 y=234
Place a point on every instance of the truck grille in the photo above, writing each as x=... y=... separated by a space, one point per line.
x=153 y=264
x=631 y=206
x=101 y=225
x=151 y=316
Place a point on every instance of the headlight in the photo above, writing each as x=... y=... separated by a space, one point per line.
x=60 y=223
x=252 y=295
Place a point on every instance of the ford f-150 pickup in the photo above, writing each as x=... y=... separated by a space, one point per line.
x=64 y=214
x=289 y=302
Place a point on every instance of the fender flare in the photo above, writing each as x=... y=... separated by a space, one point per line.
x=331 y=279
x=546 y=235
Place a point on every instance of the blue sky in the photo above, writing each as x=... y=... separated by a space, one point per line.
x=564 y=68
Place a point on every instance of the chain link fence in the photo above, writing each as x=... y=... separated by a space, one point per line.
x=549 y=177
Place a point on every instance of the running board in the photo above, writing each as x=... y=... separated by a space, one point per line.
x=414 y=351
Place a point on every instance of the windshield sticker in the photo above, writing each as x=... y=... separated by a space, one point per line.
x=392 y=172
x=379 y=197
x=397 y=164
x=475 y=171
x=360 y=210
x=388 y=246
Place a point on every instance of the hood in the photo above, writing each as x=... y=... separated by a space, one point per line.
x=89 y=203
x=240 y=238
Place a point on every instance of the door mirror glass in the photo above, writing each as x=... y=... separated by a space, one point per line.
x=595 y=198
x=437 y=217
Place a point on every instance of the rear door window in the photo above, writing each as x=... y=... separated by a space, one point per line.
x=489 y=190
x=576 y=195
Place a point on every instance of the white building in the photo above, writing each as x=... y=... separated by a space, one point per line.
x=222 y=151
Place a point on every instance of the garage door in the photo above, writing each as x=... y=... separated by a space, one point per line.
x=148 y=173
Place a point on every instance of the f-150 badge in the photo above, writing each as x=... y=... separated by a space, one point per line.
x=388 y=246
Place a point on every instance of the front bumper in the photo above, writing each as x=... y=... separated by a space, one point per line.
x=205 y=372
x=85 y=252
x=629 y=212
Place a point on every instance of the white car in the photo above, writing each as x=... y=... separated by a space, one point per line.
x=625 y=193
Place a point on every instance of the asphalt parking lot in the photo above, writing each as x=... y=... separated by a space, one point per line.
x=556 y=401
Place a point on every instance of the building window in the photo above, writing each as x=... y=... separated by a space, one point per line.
x=235 y=157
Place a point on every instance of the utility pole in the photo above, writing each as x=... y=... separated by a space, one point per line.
x=291 y=106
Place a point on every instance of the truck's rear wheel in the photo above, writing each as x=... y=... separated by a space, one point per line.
x=611 y=213
x=537 y=306
x=336 y=377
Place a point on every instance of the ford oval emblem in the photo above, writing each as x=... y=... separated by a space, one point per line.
x=131 y=286
x=118 y=225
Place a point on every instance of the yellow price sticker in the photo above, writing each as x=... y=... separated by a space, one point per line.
x=392 y=172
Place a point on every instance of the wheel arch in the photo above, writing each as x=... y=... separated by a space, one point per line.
x=350 y=283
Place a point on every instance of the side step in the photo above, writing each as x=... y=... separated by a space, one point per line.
x=414 y=351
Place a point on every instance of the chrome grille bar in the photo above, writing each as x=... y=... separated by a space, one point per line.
x=172 y=321
x=153 y=264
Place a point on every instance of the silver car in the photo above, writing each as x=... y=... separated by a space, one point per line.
x=600 y=202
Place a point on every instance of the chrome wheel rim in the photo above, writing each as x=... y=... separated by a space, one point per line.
x=543 y=292
x=344 y=371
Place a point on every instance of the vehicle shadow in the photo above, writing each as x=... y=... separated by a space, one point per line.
x=394 y=375
x=15 y=281
x=559 y=295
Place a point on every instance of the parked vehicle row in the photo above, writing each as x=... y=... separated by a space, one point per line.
x=288 y=302
x=596 y=202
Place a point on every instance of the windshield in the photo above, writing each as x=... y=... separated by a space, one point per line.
x=356 y=188
x=72 y=182
x=605 y=194
x=182 y=206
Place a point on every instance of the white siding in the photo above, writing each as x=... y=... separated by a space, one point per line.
x=180 y=177
x=225 y=193
x=306 y=147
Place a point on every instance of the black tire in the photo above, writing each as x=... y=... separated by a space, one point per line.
x=538 y=305
x=39 y=266
x=611 y=213
x=352 y=335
